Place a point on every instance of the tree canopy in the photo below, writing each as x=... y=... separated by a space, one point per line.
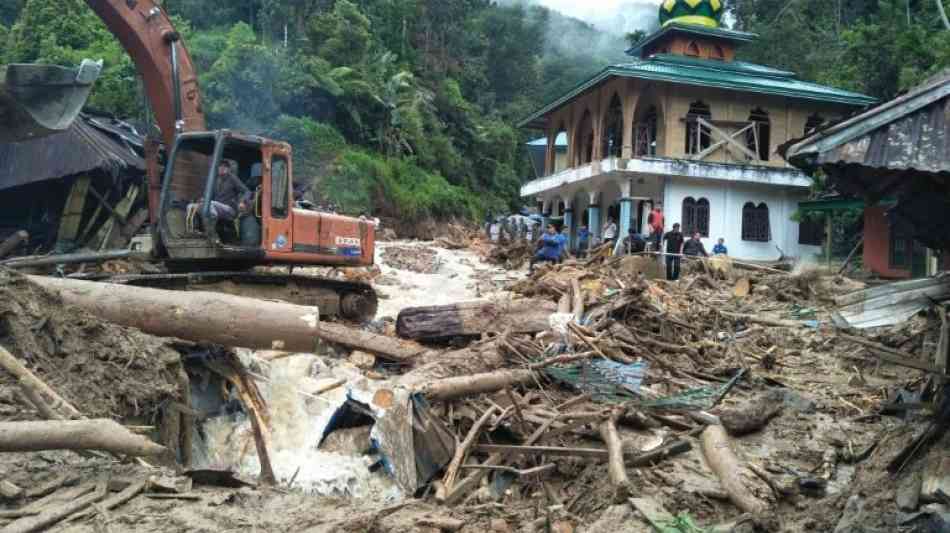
x=407 y=108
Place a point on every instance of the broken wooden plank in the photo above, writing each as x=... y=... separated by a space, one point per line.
x=891 y=355
x=461 y=451
x=474 y=318
x=73 y=211
x=51 y=485
x=104 y=236
x=48 y=517
x=114 y=501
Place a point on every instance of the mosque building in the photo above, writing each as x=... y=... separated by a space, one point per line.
x=687 y=126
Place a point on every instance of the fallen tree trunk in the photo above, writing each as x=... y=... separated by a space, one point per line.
x=724 y=463
x=34 y=386
x=11 y=243
x=100 y=434
x=615 y=465
x=474 y=318
x=462 y=386
x=220 y=318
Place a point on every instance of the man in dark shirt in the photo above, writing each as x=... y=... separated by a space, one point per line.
x=229 y=192
x=633 y=243
x=694 y=246
x=674 y=247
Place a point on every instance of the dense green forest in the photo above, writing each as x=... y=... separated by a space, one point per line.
x=407 y=107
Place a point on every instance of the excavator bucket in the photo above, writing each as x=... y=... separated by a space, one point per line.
x=40 y=100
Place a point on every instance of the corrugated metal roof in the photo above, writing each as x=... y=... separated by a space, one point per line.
x=737 y=76
x=909 y=132
x=89 y=144
x=692 y=29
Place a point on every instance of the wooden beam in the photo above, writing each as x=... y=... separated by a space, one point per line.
x=105 y=205
x=73 y=210
x=725 y=139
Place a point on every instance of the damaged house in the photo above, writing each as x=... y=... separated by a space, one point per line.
x=82 y=188
x=687 y=125
x=893 y=159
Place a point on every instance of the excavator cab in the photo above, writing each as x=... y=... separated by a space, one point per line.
x=202 y=222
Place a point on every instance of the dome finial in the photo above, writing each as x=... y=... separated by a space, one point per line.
x=696 y=12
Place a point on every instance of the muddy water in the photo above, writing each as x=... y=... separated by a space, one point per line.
x=461 y=276
x=300 y=415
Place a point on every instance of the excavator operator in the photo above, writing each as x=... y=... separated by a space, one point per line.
x=229 y=192
x=230 y=195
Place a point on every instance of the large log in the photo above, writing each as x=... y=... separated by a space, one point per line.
x=725 y=464
x=474 y=318
x=473 y=385
x=220 y=318
x=102 y=434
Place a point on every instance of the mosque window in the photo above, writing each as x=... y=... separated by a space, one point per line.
x=755 y=223
x=698 y=136
x=695 y=216
x=692 y=49
x=758 y=138
x=717 y=53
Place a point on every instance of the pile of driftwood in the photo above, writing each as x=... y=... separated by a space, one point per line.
x=569 y=379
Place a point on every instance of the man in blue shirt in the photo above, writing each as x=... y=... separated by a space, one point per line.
x=550 y=249
x=720 y=247
x=583 y=238
x=562 y=238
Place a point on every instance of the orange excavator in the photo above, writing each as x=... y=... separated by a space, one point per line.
x=202 y=251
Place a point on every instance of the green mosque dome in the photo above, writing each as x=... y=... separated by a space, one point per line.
x=697 y=12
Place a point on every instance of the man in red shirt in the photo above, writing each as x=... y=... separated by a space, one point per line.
x=656 y=226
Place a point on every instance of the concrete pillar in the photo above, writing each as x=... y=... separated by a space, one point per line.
x=626 y=213
x=593 y=220
x=569 y=224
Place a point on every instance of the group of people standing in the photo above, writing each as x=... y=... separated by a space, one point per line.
x=677 y=246
x=552 y=246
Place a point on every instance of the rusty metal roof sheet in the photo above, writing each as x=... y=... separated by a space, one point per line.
x=89 y=144
x=911 y=132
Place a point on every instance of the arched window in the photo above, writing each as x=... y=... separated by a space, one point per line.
x=646 y=133
x=755 y=223
x=757 y=139
x=585 y=140
x=814 y=123
x=695 y=216
x=698 y=137
x=612 y=145
x=716 y=53
x=692 y=49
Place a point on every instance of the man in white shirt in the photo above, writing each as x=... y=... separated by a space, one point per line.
x=610 y=230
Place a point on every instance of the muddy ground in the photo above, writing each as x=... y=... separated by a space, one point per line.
x=828 y=427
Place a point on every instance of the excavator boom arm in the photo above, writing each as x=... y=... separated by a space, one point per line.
x=170 y=80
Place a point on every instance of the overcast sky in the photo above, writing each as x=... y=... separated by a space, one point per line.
x=590 y=10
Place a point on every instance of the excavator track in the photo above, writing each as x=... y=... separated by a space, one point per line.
x=351 y=301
